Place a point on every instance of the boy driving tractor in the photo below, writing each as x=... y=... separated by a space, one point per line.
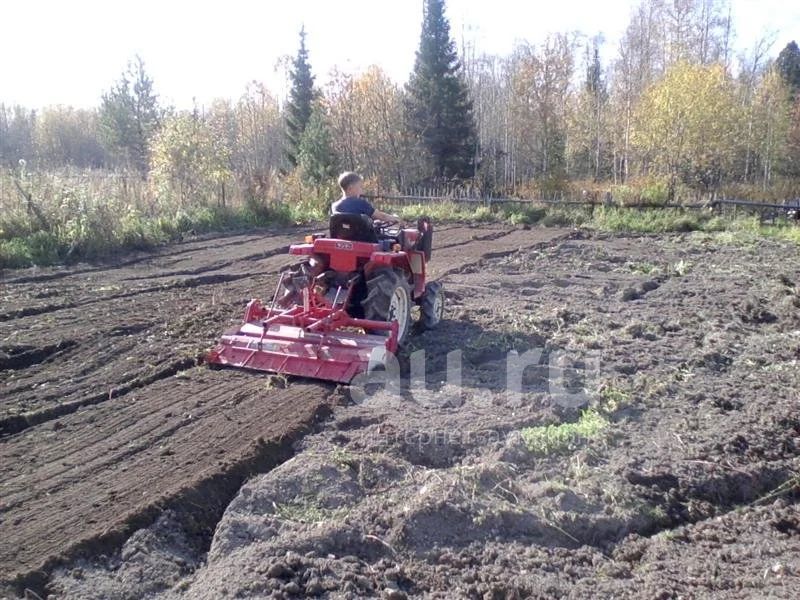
x=352 y=203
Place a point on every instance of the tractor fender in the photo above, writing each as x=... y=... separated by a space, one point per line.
x=394 y=260
x=411 y=263
x=301 y=249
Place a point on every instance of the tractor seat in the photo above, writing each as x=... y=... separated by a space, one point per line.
x=353 y=228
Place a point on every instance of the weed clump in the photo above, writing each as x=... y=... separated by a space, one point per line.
x=553 y=439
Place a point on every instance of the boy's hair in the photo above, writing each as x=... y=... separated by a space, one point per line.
x=347 y=179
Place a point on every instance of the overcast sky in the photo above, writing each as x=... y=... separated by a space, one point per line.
x=70 y=51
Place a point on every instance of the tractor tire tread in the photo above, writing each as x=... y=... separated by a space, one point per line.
x=430 y=319
x=380 y=289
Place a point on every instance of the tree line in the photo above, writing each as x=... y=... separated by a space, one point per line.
x=674 y=113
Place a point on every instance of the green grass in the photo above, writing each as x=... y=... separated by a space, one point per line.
x=602 y=219
x=614 y=220
x=445 y=212
x=613 y=398
x=652 y=220
x=305 y=511
x=553 y=439
x=645 y=268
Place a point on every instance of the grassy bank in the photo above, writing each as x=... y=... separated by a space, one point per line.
x=91 y=241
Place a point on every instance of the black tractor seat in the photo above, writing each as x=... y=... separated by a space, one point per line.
x=353 y=228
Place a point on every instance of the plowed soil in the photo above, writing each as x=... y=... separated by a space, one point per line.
x=129 y=470
x=106 y=419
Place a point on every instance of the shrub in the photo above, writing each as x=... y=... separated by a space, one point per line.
x=525 y=216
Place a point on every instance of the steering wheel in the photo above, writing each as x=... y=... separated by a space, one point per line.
x=385 y=225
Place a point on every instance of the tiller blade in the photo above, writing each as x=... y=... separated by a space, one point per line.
x=316 y=342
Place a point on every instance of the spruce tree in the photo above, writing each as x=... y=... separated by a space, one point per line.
x=438 y=106
x=594 y=74
x=788 y=64
x=315 y=154
x=130 y=116
x=301 y=98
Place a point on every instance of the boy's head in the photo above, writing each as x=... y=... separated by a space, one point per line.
x=351 y=184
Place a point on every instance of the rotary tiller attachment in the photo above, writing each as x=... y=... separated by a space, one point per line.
x=315 y=339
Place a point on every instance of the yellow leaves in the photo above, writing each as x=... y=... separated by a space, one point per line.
x=186 y=151
x=366 y=116
x=689 y=117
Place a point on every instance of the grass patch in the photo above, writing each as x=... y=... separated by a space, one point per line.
x=613 y=398
x=681 y=268
x=304 y=512
x=660 y=220
x=613 y=219
x=553 y=439
x=444 y=212
x=746 y=231
x=645 y=268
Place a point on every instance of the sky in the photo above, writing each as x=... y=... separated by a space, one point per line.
x=69 y=51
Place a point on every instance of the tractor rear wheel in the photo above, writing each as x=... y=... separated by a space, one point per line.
x=432 y=305
x=389 y=299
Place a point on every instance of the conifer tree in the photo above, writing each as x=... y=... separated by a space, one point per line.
x=438 y=106
x=301 y=99
x=315 y=155
x=788 y=64
x=130 y=116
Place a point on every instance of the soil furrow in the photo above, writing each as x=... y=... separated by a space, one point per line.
x=215 y=266
x=14 y=424
x=95 y=502
x=21 y=357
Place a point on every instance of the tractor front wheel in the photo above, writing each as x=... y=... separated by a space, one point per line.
x=389 y=299
x=432 y=305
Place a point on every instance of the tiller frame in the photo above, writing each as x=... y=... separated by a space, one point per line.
x=313 y=339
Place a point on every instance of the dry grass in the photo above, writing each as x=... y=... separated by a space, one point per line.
x=65 y=216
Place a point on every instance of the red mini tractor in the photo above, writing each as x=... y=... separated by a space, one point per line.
x=343 y=307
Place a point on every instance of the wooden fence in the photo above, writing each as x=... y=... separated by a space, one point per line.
x=768 y=212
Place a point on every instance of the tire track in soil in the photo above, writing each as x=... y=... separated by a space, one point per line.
x=109 y=463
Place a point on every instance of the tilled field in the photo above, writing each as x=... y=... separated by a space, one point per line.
x=105 y=417
x=129 y=471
